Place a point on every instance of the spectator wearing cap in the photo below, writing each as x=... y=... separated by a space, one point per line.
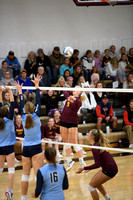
x=31 y=64
x=69 y=81
x=57 y=59
x=8 y=81
x=4 y=68
x=43 y=60
x=94 y=79
x=13 y=63
x=104 y=113
x=29 y=95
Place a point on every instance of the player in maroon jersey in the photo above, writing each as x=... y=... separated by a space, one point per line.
x=69 y=126
x=102 y=159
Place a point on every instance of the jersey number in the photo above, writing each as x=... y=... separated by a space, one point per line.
x=54 y=177
x=68 y=104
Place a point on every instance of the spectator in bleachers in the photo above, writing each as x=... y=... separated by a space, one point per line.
x=104 y=113
x=8 y=81
x=88 y=63
x=77 y=73
x=66 y=74
x=128 y=122
x=17 y=106
x=66 y=66
x=123 y=61
x=129 y=82
x=122 y=50
x=94 y=79
x=89 y=103
x=98 y=95
x=29 y=95
x=106 y=58
x=130 y=56
x=111 y=69
x=51 y=135
x=112 y=52
x=4 y=68
x=13 y=64
x=81 y=80
x=31 y=64
x=74 y=60
x=60 y=82
x=50 y=100
x=43 y=60
x=57 y=59
x=123 y=73
x=69 y=81
x=45 y=80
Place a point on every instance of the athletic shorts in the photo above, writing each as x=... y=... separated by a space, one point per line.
x=111 y=175
x=68 y=125
x=30 y=151
x=6 y=150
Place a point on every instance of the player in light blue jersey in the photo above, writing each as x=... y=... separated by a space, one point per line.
x=32 y=151
x=7 y=140
x=51 y=178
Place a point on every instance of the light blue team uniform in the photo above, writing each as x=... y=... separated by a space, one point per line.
x=32 y=135
x=7 y=135
x=54 y=182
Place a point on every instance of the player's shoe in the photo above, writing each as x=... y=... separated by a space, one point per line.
x=70 y=164
x=9 y=195
x=83 y=152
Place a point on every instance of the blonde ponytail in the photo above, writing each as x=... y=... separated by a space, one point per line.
x=29 y=122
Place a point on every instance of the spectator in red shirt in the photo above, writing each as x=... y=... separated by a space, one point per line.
x=104 y=112
x=128 y=122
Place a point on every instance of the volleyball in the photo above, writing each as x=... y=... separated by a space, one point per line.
x=68 y=51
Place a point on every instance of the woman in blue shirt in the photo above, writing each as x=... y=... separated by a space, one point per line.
x=51 y=178
x=7 y=140
x=32 y=152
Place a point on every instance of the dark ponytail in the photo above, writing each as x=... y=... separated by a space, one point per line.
x=1 y=123
x=50 y=155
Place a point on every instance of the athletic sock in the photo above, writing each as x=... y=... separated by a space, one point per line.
x=107 y=197
x=81 y=160
x=69 y=159
x=24 y=197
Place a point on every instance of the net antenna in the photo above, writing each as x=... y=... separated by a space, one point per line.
x=110 y=2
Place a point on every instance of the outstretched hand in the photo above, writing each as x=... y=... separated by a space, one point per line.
x=18 y=86
x=80 y=170
x=36 y=81
x=1 y=89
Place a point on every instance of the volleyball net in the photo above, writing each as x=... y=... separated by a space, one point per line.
x=107 y=90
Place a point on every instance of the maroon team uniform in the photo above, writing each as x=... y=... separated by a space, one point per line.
x=57 y=126
x=105 y=161
x=19 y=131
x=49 y=133
x=69 y=113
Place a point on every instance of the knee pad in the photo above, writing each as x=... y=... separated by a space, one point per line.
x=91 y=189
x=11 y=170
x=77 y=148
x=1 y=170
x=67 y=147
x=25 y=177
x=80 y=135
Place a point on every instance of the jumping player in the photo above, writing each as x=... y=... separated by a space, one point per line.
x=7 y=140
x=69 y=126
x=51 y=178
x=102 y=159
x=32 y=152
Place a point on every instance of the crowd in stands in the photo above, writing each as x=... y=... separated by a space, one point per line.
x=60 y=71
